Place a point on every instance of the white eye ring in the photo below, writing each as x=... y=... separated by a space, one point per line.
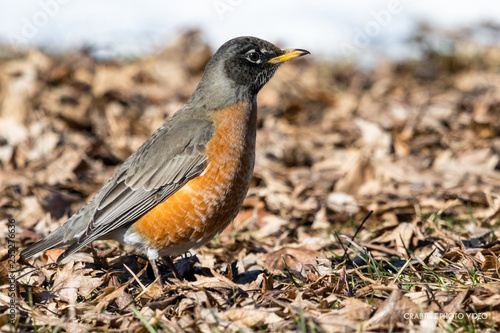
x=253 y=56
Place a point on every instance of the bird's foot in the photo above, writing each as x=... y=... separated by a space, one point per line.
x=172 y=267
x=157 y=274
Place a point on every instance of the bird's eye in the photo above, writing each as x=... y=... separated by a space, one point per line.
x=253 y=56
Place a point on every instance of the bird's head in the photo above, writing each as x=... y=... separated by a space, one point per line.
x=251 y=62
x=242 y=66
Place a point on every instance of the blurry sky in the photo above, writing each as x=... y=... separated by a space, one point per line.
x=127 y=27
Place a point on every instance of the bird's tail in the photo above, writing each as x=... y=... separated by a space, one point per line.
x=53 y=240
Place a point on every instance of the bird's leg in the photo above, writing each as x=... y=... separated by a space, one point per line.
x=171 y=265
x=156 y=271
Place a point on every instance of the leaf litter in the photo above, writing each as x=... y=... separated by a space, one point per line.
x=415 y=141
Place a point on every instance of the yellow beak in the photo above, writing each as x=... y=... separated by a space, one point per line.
x=289 y=54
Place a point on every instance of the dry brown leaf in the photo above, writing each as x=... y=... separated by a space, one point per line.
x=485 y=302
x=393 y=309
x=349 y=317
x=250 y=317
x=456 y=304
x=269 y=225
x=295 y=258
x=403 y=235
x=490 y=262
x=50 y=256
x=108 y=296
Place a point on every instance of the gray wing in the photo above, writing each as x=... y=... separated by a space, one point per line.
x=162 y=165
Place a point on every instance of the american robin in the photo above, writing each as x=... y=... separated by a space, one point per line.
x=187 y=182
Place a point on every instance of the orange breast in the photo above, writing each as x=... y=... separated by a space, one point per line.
x=207 y=204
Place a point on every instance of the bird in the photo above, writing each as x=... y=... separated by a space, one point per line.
x=188 y=180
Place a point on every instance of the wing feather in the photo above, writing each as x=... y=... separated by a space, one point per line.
x=162 y=165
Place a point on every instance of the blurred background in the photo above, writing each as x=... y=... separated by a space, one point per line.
x=132 y=28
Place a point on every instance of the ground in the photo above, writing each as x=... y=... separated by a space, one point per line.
x=411 y=146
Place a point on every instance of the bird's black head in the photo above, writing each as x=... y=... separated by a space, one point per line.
x=238 y=70
x=252 y=62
